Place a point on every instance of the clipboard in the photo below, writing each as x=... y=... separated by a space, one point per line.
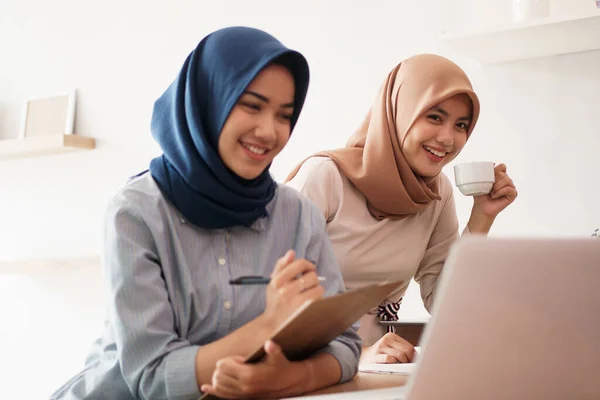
x=315 y=324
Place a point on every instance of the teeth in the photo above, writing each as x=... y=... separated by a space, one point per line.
x=254 y=149
x=435 y=152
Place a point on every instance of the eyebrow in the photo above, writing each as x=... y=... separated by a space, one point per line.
x=446 y=114
x=265 y=99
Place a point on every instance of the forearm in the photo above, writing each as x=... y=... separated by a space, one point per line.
x=240 y=342
x=323 y=370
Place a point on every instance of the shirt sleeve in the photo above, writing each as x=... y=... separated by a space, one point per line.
x=155 y=362
x=319 y=180
x=347 y=347
x=445 y=233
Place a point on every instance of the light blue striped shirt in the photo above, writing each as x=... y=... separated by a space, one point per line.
x=169 y=290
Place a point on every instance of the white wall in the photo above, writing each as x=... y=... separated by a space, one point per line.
x=539 y=117
x=50 y=312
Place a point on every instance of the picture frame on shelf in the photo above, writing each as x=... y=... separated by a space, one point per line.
x=49 y=115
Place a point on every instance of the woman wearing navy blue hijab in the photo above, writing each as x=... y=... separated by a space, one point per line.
x=208 y=212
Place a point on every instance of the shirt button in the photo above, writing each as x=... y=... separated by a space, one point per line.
x=227 y=305
x=222 y=261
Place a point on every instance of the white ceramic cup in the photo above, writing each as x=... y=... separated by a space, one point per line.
x=474 y=178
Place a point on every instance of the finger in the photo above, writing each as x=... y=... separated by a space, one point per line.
x=396 y=346
x=506 y=182
x=306 y=282
x=397 y=342
x=297 y=268
x=208 y=389
x=508 y=192
x=222 y=386
x=231 y=366
x=283 y=262
x=498 y=175
x=274 y=353
x=499 y=168
x=402 y=355
x=503 y=182
x=316 y=292
x=272 y=348
x=234 y=378
x=385 y=359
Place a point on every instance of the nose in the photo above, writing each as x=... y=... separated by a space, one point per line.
x=445 y=135
x=266 y=129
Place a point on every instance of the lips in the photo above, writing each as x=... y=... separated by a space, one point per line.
x=254 y=151
x=433 y=156
x=435 y=152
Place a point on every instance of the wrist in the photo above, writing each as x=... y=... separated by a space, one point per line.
x=267 y=322
x=264 y=328
x=480 y=222
x=319 y=371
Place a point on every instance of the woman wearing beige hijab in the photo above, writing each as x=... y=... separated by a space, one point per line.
x=389 y=207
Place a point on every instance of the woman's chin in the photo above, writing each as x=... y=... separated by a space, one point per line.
x=248 y=173
x=428 y=172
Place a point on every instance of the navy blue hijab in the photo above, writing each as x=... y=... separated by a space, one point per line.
x=188 y=118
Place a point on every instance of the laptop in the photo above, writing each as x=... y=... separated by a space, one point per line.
x=513 y=319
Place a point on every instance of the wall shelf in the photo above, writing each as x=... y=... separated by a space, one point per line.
x=532 y=39
x=48 y=265
x=44 y=145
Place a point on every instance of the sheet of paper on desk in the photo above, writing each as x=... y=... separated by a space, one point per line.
x=404 y=369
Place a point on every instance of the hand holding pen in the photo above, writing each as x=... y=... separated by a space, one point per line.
x=261 y=280
x=292 y=283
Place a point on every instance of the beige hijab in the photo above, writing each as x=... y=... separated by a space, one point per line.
x=373 y=160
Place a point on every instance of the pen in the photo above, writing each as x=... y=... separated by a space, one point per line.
x=257 y=280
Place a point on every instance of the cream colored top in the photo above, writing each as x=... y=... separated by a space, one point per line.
x=371 y=250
